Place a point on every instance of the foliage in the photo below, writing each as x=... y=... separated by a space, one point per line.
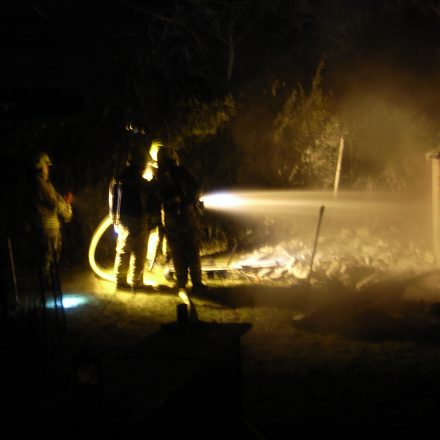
x=296 y=143
x=308 y=132
x=200 y=132
x=203 y=120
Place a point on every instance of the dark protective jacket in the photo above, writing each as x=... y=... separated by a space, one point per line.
x=133 y=200
x=179 y=190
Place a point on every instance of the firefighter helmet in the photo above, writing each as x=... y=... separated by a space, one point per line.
x=41 y=159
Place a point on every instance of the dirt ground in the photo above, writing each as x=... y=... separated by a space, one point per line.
x=317 y=359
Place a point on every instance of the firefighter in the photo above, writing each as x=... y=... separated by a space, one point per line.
x=135 y=210
x=48 y=211
x=180 y=191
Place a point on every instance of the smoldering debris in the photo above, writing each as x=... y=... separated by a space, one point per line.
x=355 y=258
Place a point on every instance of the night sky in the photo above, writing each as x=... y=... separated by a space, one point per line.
x=51 y=56
x=80 y=47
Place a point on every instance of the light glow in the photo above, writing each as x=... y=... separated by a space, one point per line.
x=155 y=145
x=184 y=296
x=148 y=173
x=70 y=301
x=250 y=202
x=109 y=274
x=222 y=201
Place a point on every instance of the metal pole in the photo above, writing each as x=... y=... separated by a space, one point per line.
x=321 y=212
x=338 y=168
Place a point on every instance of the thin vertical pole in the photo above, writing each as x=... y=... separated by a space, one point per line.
x=338 y=168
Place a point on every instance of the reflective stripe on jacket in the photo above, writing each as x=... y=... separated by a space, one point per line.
x=48 y=206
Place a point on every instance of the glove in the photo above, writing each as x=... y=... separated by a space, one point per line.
x=68 y=198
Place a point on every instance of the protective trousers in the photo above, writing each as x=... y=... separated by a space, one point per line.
x=183 y=235
x=132 y=244
x=47 y=247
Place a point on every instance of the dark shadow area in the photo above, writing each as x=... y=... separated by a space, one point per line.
x=335 y=354
x=185 y=379
x=264 y=296
x=378 y=313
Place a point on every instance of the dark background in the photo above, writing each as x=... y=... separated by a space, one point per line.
x=214 y=78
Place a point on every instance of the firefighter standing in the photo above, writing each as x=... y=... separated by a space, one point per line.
x=135 y=211
x=48 y=211
x=180 y=191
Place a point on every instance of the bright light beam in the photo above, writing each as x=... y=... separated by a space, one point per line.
x=224 y=201
x=284 y=201
x=246 y=201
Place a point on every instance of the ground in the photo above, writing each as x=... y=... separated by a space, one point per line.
x=317 y=358
x=354 y=344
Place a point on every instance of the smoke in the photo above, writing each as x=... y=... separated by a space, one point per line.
x=391 y=122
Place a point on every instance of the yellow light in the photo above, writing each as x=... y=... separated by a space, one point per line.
x=155 y=145
x=102 y=227
x=109 y=274
x=221 y=201
x=148 y=173
x=152 y=243
x=184 y=296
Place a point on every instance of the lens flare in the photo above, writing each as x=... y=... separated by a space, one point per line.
x=70 y=301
